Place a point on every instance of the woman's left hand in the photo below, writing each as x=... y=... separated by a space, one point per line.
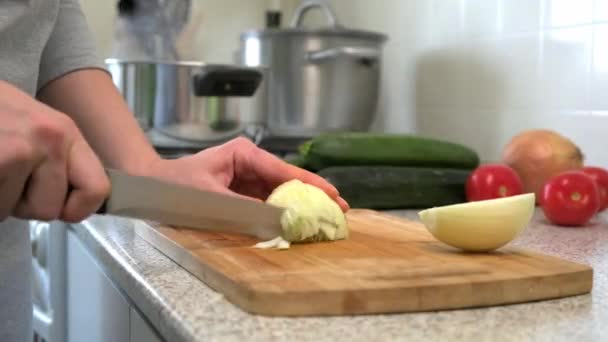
x=238 y=168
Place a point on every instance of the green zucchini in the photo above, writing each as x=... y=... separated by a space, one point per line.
x=359 y=149
x=390 y=187
x=296 y=160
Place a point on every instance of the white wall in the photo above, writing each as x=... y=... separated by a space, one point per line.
x=215 y=25
x=470 y=71
x=100 y=15
x=479 y=71
x=495 y=67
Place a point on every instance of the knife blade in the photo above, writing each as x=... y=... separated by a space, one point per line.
x=177 y=205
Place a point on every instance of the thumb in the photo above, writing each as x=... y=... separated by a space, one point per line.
x=89 y=181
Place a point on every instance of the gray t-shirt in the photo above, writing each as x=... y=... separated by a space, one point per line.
x=40 y=40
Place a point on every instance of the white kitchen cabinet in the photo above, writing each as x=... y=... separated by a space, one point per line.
x=140 y=330
x=96 y=310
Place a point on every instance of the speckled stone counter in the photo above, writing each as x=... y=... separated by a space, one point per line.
x=182 y=308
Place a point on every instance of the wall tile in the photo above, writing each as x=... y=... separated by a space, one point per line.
x=599 y=75
x=486 y=76
x=503 y=73
x=481 y=18
x=565 y=68
x=560 y=13
x=600 y=10
x=441 y=78
x=520 y=60
x=448 y=20
x=546 y=68
x=520 y=15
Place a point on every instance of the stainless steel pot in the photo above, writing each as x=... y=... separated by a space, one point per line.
x=187 y=100
x=316 y=80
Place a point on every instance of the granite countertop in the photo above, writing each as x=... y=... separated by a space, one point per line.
x=182 y=308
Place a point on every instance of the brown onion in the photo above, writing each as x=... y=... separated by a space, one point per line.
x=539 y=154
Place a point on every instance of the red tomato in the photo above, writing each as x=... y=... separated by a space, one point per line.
x=491 y=181
x=570 y=198
x=600 y=175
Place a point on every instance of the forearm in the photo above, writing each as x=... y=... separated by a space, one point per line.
x=89 y=97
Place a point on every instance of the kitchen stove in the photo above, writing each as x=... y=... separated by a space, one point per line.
x=169 y=147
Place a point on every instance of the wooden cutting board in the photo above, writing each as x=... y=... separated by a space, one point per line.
x=387 y=265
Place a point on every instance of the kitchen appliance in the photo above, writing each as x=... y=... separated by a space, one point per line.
x=181 y=104
x=387 y=264
x=152 y=199
x=187 y=100
x=316 y=80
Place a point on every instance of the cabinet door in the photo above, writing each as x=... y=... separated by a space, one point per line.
x=96 y=310
x=140 y=330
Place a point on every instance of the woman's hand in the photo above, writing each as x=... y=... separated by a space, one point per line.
x=41 y=153
x=239 y=168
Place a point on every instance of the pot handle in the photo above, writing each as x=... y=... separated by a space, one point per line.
x=255 y=133
x=365 y=54
x=306 y=5
x=220 y=80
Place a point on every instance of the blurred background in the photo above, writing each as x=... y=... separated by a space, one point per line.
x=471 y=71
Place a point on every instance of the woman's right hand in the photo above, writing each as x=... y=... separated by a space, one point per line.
x=42 y=155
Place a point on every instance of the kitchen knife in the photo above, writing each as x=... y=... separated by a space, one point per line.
x=172 y=204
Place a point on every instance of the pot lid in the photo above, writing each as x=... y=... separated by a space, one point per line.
x=333 y=32
x=334 y=29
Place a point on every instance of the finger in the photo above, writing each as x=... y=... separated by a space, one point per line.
x=89 y=181
x=16 y=158
x=11 y=189
x=312 y=179
x=343 y=204
x=276 y=172
x=45 y=193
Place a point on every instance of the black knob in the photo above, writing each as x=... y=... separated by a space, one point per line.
x=223 y=81
x=126 y=7
x=273 y=19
